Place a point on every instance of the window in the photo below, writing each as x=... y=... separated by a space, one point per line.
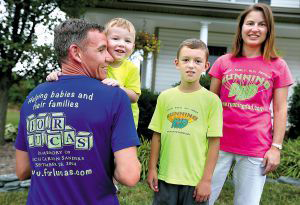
x=215 y=52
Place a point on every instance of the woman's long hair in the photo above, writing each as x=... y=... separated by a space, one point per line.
x=268 y=46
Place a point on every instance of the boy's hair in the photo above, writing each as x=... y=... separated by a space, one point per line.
x=193 y=43
x=120 y=22
x=268 y=46
x=71 y=31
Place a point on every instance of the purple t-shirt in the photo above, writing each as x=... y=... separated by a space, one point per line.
x=71 y=128
x=246 y=93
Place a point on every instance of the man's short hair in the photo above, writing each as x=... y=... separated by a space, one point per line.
x=193 y=43
x=120 y=22
x=71 y=31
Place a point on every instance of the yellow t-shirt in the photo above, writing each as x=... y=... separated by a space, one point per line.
x=128 y=76
x=185 y=120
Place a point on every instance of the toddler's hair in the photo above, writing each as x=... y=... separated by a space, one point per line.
x=120 y=22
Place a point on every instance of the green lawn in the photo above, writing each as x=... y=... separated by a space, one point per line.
x=12 y=116
x=274 y=194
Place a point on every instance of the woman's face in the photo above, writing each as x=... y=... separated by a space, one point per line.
x=254 y=30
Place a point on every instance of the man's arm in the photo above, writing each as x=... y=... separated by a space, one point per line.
x=154 y=155
x=272 y=156
x=127 y=166
x=203 y=189
x=23 y=170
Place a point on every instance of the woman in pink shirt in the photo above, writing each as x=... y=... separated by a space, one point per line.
x=247 y=80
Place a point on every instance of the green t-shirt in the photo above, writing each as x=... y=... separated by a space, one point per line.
x=128 y=76
x=185 y=120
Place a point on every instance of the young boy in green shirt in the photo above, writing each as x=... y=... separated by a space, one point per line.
x=187 y=125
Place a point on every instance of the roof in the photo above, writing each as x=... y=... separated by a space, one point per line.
x=197 y=8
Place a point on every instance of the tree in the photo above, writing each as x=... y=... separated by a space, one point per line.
x=19 y=20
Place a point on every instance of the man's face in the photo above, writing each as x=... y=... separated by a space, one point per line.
x=94 y=55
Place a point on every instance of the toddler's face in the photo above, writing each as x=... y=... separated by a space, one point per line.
x=120 y=43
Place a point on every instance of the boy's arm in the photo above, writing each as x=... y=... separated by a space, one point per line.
x=203 y=189
x=152 y=167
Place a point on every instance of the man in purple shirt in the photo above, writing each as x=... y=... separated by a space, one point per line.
x=76 y=134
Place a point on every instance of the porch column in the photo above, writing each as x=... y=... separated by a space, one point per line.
x=204 y=31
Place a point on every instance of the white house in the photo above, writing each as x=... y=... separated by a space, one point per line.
x=213 y=21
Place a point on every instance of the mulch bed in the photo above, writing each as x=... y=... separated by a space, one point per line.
x=7 y=158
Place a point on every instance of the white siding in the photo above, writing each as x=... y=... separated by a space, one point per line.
x=166 y=74
x=286 y=3
x=289 y=49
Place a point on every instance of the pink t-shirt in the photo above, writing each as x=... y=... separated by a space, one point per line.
x=246 y=93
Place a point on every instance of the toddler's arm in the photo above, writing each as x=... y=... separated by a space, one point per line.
x=154 y=154
x=53 y=76
x=133 y=96
x=203 y=189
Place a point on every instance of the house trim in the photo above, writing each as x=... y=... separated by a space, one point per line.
x=196 y=8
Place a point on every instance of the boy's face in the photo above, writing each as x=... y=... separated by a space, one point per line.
x=191 y=63
x=120 y=42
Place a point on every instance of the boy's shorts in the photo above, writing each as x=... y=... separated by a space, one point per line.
x=172 y=194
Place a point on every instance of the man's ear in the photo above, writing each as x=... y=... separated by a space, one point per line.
x=75 y=53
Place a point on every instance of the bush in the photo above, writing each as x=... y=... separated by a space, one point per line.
x=10 y=132
x=293 y=113
x=147 y=103
x=18 y=92
x=144 y=156
x=204 y=81
x=290 y=160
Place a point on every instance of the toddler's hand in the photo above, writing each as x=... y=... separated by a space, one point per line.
x=111 y=82
x=53 y=76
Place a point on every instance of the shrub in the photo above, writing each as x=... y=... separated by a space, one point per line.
x=290 y=160
x=204 y=81
x=10 y=132
x=144 y=156
x=293 y=113
x=147 y=103
x=18 y=92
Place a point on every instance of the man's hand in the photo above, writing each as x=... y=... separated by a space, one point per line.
x=202 y=191
x=271 y=160
x=54 y=76
x=111 y=82
x=152 y=180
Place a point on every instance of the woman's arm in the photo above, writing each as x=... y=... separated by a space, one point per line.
x=272 y=156
x=215 y=85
